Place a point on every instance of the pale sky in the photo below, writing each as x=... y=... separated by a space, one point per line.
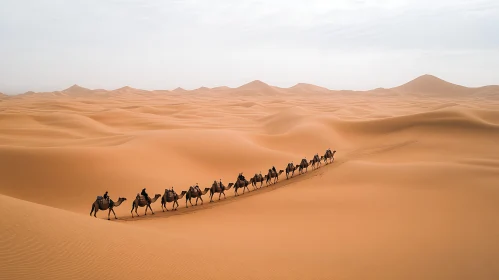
x=48 y=45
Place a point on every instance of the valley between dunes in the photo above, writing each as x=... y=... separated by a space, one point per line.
x=413 y=192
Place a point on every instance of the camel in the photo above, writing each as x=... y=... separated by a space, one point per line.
x=140 y=201
x=328 y=155
x=216 y=188
x=197 y=193
x=171 y=196
x=303 y=165
x=258 y=178
x=102 y=204
x=273 y=174
x=240 y=184
x=315 y=161
x=290 y=169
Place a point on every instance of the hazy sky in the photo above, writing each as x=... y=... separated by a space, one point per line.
x=50 y=45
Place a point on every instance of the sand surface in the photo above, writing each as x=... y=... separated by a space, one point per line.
x=413 y=192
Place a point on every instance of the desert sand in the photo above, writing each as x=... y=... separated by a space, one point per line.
x=412 y=194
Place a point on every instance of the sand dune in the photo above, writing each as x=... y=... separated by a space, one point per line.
x=411 y=195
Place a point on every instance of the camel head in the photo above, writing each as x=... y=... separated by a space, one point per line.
x=157 y=195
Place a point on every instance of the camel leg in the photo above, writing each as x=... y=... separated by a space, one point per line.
x=136 y=208
x=224 y=196
x=108 y=214
x=131 y=211
x=114 y=213
x=220 y=195
x=202 y=202
x=186 y=199
x=148 y=207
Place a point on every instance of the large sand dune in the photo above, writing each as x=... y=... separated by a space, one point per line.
x=412 y=193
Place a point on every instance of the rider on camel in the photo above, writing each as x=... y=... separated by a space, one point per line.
x=241 y=177
x=146 y=196
x=106 y=197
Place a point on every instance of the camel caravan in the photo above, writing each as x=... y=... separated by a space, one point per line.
x=170 y=196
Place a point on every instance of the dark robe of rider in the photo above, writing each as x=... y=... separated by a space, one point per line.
x=105 y=196
x=241 y=177
x=145 y=194
x=273 y=169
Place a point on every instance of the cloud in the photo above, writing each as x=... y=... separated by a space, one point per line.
x=51 y=44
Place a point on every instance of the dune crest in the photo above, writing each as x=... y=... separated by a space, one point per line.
x=76 y=89
x=432 y=85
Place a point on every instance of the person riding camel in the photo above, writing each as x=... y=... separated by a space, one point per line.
x=197 y=187
x=241 y=177
x=220 y=184
x=146 y=196
x=273 y=169
x=106 y=197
